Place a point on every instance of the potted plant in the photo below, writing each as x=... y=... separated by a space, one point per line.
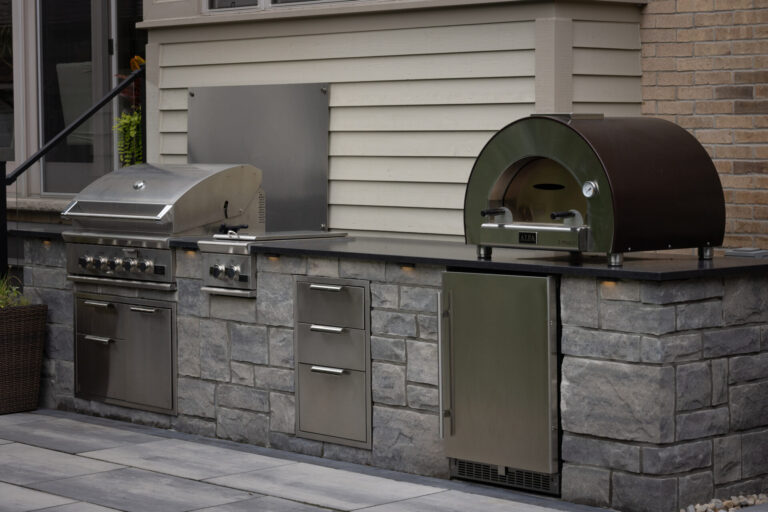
x=22 y=336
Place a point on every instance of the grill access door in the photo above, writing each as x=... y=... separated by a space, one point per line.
x=499 y=378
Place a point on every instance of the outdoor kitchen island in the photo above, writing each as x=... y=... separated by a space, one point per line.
x=663 y=392
x=662 y=373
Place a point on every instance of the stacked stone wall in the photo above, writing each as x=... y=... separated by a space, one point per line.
x=236 y=360
x=664 y=391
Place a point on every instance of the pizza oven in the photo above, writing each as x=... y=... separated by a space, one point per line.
x=589 y=184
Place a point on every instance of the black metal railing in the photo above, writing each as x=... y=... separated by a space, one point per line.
x=40 y=153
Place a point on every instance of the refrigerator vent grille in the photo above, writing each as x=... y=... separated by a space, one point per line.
x=541 y=482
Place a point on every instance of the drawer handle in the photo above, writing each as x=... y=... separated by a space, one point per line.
x=326 y=287
x=97 y=304
x=98 y=339
x=326 y=369
x=326 y=328
x=140 y=309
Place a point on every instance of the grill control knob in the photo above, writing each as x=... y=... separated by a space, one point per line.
x=232 y=271
x=129 y=264
x=100 y=263
x=115 y=264
x=85 y=261
x=589 y=189
x=216 y=270
x=145 y=266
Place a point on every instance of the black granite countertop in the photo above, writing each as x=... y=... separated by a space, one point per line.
x=641 y=266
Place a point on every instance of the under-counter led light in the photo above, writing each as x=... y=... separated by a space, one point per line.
x=190 y=252
x=46 y=242
x=407 y=266
x=273 y=257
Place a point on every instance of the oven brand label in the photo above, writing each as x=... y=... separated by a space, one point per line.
x=526 y=237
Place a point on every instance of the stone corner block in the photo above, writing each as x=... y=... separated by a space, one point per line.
x=687 y=290
x=639 y=493
x=618 y=400
x=586 y=485
x=638 y=318
x=578 y=301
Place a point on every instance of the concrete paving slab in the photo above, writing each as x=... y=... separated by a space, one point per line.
x=325 y=487
x=80 y=506
x=136 y=490
x=19 y=499
x=5 y=441
x=186 y=459
x=69 y=436
x=20 y=417
x=455 y=501
x=24 y=464
x=264 y=504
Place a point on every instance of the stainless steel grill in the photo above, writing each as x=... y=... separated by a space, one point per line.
x=125 y=341
x=123 y=221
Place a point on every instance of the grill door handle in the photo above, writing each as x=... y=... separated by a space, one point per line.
x=98 y=339
x=97 y=304
x=140 y=309
x=444 y=357
x=326 y=369
x=326 y=287
x=326 y=328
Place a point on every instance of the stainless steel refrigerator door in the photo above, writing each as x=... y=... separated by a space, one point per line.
x=499 y=374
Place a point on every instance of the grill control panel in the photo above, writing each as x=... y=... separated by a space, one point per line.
x=232 y=271
x=133 y=263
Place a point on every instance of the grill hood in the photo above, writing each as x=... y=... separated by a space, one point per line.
x=170 y=199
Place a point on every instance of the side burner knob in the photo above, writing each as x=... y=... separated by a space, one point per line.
x=216 y=270
x=232 y=271
x=145 y=266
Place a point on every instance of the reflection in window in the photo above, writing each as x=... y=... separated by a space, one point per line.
x=6 y=82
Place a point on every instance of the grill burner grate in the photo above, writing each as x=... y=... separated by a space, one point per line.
x=487 y=473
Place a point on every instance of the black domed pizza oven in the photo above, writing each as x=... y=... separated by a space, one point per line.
x=585 y=183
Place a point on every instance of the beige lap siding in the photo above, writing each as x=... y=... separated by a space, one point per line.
x=411 y=106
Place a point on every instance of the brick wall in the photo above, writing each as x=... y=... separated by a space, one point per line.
x=705 y=67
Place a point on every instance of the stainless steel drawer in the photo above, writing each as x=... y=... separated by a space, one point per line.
x=332 y=402
x=331 y=304
x=98 y=317
x=331 y=346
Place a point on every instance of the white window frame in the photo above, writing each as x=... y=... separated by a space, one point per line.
x=267 y=4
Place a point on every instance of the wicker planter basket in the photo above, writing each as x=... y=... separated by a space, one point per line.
x=22 y=336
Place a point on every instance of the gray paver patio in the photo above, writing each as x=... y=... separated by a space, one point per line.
x=66 y=435
x=326 y=487
x=23 y=464
x=265 y=504
x=137 y=490
x=185 y=459
x=64 y=462
x=20 y=499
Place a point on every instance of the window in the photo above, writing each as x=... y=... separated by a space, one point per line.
x=85 y=46
x=6 y=82
x=263 y=4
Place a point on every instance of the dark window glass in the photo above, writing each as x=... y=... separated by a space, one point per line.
x=77 y=55
x=230 y=4
x=6 y=82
